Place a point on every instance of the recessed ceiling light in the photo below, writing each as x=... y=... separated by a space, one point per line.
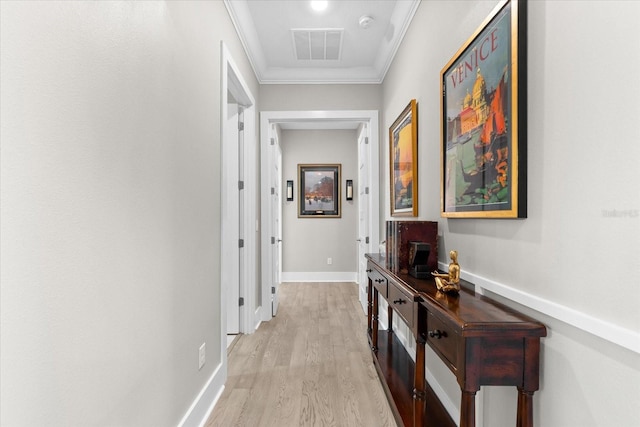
x=319 y=5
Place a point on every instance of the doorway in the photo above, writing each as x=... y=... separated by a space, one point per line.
x=367 y=123
x=238 y=194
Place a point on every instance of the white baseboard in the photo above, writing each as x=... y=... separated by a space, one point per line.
x=448 y=404
x=257 y=319
x=322 y=276
x=607 y=331
x=202 y=406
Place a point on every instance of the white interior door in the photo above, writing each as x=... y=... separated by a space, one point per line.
x=231 y=219
x=241 y=217
x=276 y=225
x=363 y=211
x=238 y=251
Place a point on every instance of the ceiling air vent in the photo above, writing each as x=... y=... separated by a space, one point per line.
x=317 y=43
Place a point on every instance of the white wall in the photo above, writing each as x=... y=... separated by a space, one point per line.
x=320 y=97
x=573 y=258
x=110 y=209
x=308 y=242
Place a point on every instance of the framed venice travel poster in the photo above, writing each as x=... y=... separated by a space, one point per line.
x=403 y=162
x=319 y=191
x=483 y=127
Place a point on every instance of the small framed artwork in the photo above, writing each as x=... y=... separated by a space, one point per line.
x=403 y=162
x=483 y=120
x=319 y=191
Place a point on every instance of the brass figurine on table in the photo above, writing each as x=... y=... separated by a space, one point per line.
x=449 y=282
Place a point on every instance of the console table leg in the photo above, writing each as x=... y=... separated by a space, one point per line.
x=525 y=408
x=468 y=409
x=419 y=384
x=369 y=306
x=374 y=322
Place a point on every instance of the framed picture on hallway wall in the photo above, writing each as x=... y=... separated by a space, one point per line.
x=319 y=191
x=403 y=162
x=483 y=120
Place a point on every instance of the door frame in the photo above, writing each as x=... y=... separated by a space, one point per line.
x=276 y=251
x=321 y=119
x=364 y=175
x=233 y=82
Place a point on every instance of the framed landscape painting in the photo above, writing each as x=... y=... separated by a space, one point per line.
x=403 y=162
x=319 y=191
x=483 y=120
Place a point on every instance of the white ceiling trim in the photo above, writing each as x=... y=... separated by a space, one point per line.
x=399 y=23
x=239 y=12
x=362 y=75
x=401 y=19
x=318 y=120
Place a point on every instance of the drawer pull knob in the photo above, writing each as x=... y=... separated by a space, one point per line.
x=399 y=301
x=379 y=280
x=437 y=334
x=369 y=270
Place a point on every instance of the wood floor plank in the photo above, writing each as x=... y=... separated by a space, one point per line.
x=309 y=366
x=285 y=391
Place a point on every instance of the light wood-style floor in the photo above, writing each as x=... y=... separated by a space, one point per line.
x=309 y=366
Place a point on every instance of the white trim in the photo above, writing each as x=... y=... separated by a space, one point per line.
x=363 y=297
x=265 y=215
x=322 y=276
x=232 y=81
x=449 y=405
x=239 y=12
x=257 y=318
x=203 y=405
x=623 y=337
x=400 y=20
x=250 y=217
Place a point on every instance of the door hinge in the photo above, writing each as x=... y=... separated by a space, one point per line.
x=273 y=240
x=366 y=190
x=273 y=190
x=241 y=243
x=273 y=289
x=240 y=185
x=273 y=141
x=240 y=125
x=366 y=139
x=241 y=301
x=366 y=240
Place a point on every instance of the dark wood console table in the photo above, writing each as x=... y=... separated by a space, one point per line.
x=480 y=340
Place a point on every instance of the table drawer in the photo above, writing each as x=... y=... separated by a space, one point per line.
x=378 y=280
x=401 y=302
x=442 y=337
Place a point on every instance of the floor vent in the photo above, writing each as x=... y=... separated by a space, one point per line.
x=317 y=44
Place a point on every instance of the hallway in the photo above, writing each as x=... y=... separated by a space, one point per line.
x=309 y=366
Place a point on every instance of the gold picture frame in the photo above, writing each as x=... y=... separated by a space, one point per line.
x=403 y=162
x=483 y=120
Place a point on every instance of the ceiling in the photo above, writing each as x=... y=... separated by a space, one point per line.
x=352 y=41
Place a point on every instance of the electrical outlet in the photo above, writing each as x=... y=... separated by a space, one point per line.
x=329 y=261
x=202 y=355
